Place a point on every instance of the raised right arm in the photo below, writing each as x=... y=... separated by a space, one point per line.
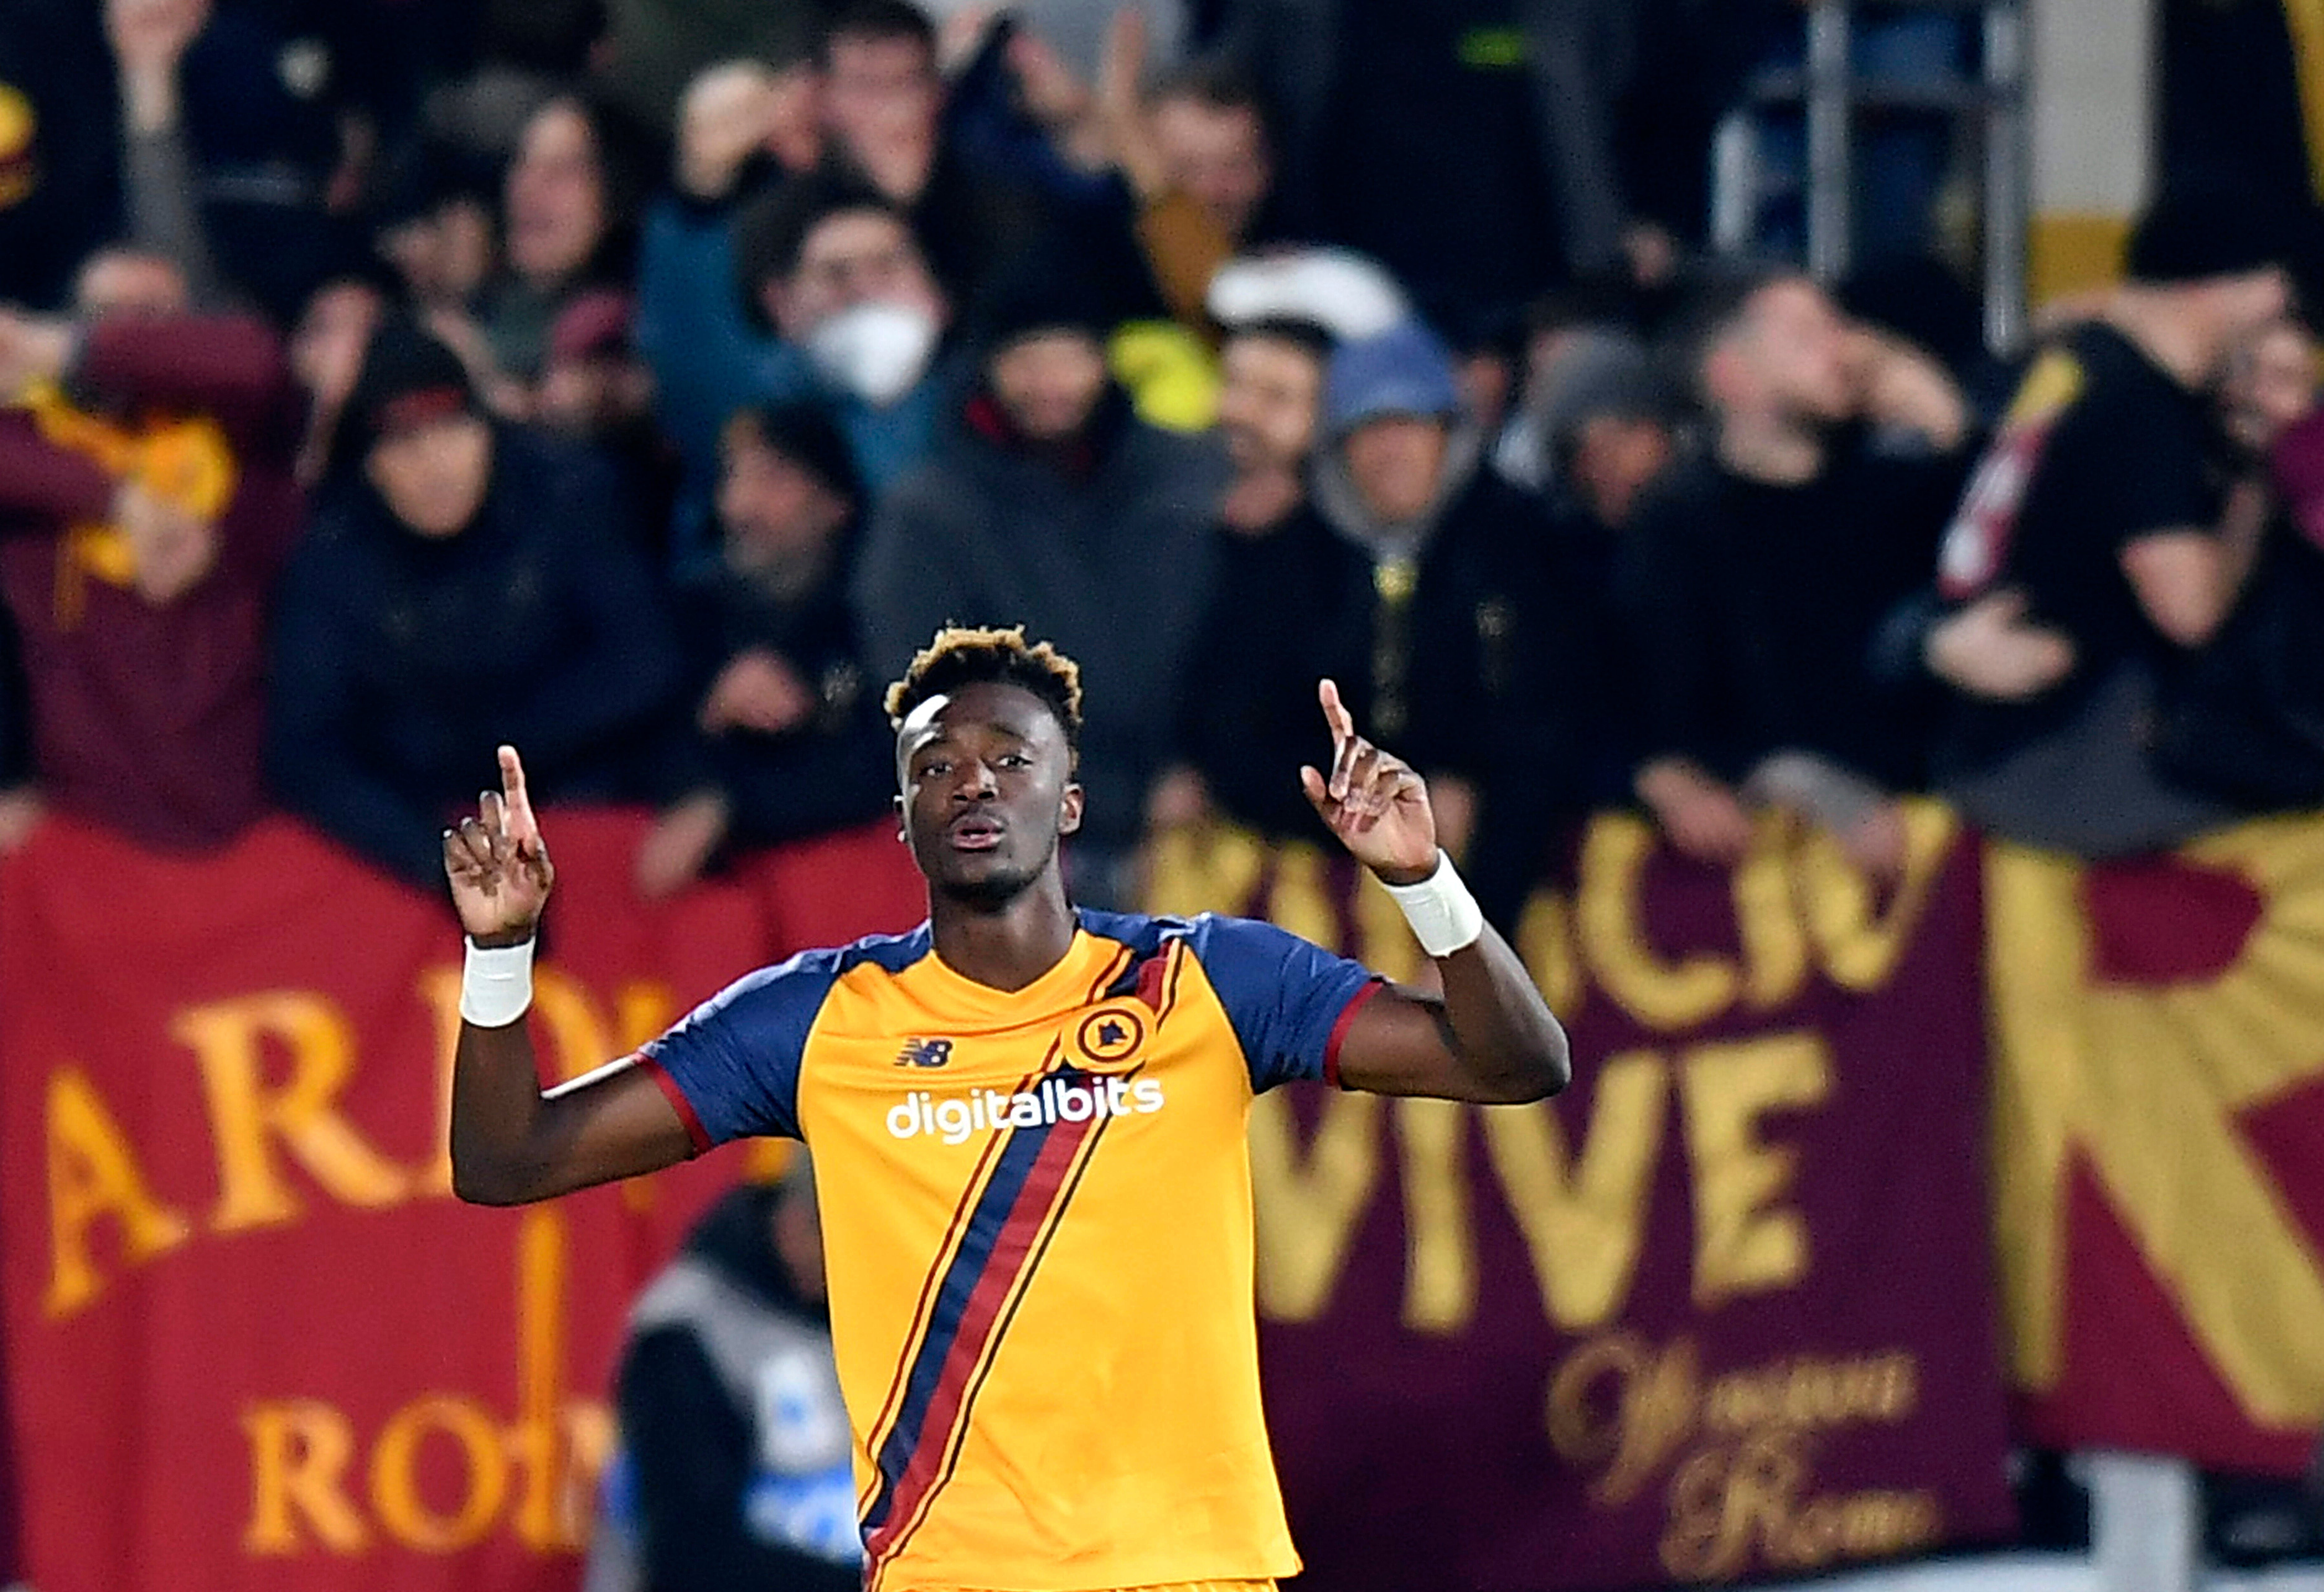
x=511 y=1142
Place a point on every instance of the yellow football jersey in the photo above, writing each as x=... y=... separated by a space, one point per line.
x=1036 y=1215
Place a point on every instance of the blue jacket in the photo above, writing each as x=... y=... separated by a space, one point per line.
x=709 y=360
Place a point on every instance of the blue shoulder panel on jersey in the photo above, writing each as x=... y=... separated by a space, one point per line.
x=1284 y=995
x=737 y=1057
x=1144 y=935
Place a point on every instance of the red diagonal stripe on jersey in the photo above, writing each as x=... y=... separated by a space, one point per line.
x=1041 y=1199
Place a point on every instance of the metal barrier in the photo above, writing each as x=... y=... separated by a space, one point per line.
x=1996 y=104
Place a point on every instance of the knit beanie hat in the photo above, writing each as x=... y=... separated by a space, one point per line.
x=409 y=379
x=1044 y=297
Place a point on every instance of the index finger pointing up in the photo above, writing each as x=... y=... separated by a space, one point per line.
x=521 y=825
x=1336 y=712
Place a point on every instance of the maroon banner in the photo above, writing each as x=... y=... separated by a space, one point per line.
x=1724 y=1310
x=252 y=1340
x=2160 y=1144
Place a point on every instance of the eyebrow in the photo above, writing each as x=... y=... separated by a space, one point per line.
x=938 y=733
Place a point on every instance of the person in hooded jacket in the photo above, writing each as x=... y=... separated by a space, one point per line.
x=465 y=585
x=1423 y=583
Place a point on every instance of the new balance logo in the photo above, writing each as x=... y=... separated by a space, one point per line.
x=925 y=1052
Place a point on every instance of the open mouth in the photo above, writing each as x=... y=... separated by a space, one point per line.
x=973 y=834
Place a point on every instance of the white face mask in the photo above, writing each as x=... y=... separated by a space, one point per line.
x=873 y=351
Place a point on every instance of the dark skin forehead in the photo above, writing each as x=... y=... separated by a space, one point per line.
x=991 y=707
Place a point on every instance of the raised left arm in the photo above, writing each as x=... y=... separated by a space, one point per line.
x=1490 y=1038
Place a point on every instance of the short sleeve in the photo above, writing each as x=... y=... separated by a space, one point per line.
x=2154 y=477
x=1289 y=1000
x=731 y=1067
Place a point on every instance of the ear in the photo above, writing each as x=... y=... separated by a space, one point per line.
x=1069 y=811
x=903 y=835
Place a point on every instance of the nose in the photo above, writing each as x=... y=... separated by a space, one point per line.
x=974 y=782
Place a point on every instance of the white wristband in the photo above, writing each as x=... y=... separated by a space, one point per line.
x=1444 y=917
x=496 y=983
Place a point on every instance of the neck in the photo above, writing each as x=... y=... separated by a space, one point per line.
x=2164 y=334
x=1770 y=449
x=1007 y=946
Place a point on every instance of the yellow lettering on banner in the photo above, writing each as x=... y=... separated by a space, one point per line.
x=1869 y=1389
x=1858 y=946
x=1545 y=945
x=2133 y=1079
x=395 y=1485
x=541 y=1368
x=1651 y=1412
x=1732 y=1511
x=1743 y=1243
x=1308 y=1215
x=229 y=1040
x=642 y=1009
x=1767 y=919
x=1668 y=995
x=439 y=992
x=94 y=1173
x=568 y=1019
x=1584 y=1221
x=538 y=1473
x=1440 y=1266
x=578 y=1036
x=299 y=1451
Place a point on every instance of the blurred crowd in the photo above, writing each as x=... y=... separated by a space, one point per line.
x=642 y=382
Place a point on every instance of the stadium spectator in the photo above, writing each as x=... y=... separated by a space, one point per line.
x=562 y=234
x=162 y=208
x=1271 y=403
x=797 y=745
x=1757 y=580
x=1195 y=155
x=852 y=316
x=327 y=351
x=159 y=121
x=147 y=504
x=735 y=1463
x=1470 y=149
x=1411 y=579
x=1052 y=505
x=597 y=391
x=471 y=584
x=1270 y=399
x=654 y=50
x=883 y=102
x=433 y=220
x=2243 y=719
x=2099 y=509
x=1610 y=429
